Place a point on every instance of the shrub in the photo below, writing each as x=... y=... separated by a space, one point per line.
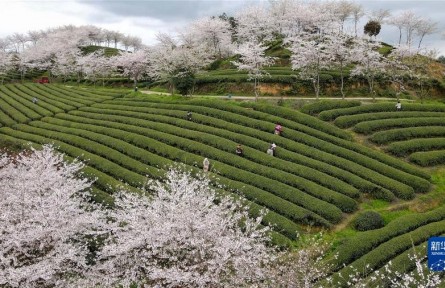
x=384 y=137
x=429 y=158
x=404 y=148
x=324 y=105
x=369 y=127
x=368 y=220
x=351 y=120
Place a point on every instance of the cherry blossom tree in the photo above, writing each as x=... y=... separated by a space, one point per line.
x=5 y=64
x=42 y=220
x=173 y=58
x=425 y=27
x=181 y=238
x=254 y=24
x=215 y=33
x=369 y=62
x=339 y=47
x=134 y=65
x=310 y=54
x=253 y=59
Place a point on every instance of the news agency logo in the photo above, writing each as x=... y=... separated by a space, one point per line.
x=436 y=253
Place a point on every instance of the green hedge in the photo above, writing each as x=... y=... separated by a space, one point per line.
x=404 y=148
x=369 y=127
x=357 y=246
x=181 y=128
x=67 y=104
x=47 y=108
x=62 y=97
x=6 y=120
x=156 y=119
x=318 y=147
x=324 y=105
x=429 y=158
x=21 y=106
x=351 y=120
x=269 y=137
x=368 y=220
x=331 y=142
x=53 y=106
x=87 y=92
x=296 y=196
x=380 y=157
x=379 y=107
x=385 y=137
x=12 y=113
x=380 y=255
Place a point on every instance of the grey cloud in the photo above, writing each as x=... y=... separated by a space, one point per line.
x=170 y=10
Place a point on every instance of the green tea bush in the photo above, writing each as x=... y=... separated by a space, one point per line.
x=368 y=220
x=318 y=146
x=385 y=137
x=351 y=120
x=429 y=158
x=10 y=113
x=369 y=127
x=380 y=255
x=330 y=115
x=303 y=162
x=404 y=148
x=324 y=105
x=20 y=105
x=355 y=247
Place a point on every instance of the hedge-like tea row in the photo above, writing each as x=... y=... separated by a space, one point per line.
x=296 y=196
x=41 y=107
x=70 y=94
x=95 y=94
x=281 y=142
x=380 y=255
x=12 y=113
x=354 y=248
x=385 y=137
x=195 y=147
x=290 y=114
x=5 y=120
x=324 y=105
x=316 y=152
x=33 y=88
x=68 y=104
x=53 y=106
x=351 y=120
x=379 y=107
x=134 y=118
x=21 y=106
x=428 y=158
x=404 y=148
x=181 y=128
x=255 y=119
x=369 y=127
x=353 y=157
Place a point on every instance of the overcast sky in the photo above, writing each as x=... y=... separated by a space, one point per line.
x=145 y=18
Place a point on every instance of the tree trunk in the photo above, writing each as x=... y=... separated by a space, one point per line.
x=255 y=89
x=342 y=80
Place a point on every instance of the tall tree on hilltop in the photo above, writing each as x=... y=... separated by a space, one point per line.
x=253 y=60
x=369 y=62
